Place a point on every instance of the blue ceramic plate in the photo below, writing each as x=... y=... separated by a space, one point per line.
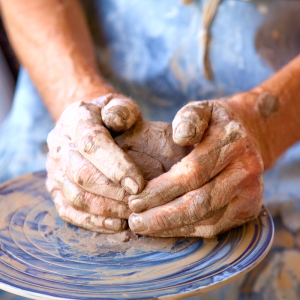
x=42 y=257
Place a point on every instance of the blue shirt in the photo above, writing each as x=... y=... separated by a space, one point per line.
x=150 y=49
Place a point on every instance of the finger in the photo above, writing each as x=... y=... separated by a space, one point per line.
x=86 y=220
x=191 y=122
x=192 y=207
x=243 y=208
x=51 y=185
x=62 y=156
x=88 y=177
x=221 y=144
x=120 y=113
x=206 y=228
x=95 y=143
x=91 y=203
x=83 y=173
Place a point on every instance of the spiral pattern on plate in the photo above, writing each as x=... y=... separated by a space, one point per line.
x=43 y=256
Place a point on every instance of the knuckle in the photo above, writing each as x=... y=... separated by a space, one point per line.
x=89 y=144
x=190 y=182
x=203 y=202
x=77 y=199
x=174 y=220
x=161 y=221
x=74 y=195
x=88 y=140
x=83 y=175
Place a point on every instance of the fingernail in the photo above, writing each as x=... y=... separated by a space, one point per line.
x=185 y=130
x=137 y=223
x=113 y=224
x=137 y=205
x=130 y=185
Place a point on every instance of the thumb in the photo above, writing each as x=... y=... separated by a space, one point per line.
x=190 y=122
x=119 y=113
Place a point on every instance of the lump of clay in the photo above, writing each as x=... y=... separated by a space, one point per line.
x=150 y=145
x=150 y=167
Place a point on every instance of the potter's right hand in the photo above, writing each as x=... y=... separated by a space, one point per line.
x=88 y=174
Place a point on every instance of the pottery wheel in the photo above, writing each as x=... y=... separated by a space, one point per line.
x=43 y=257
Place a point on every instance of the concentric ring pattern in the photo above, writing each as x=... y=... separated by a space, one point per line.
x=41 y=256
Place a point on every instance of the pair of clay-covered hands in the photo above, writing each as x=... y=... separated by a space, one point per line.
x=204 y=181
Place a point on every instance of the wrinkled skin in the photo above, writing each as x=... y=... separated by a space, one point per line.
x=90 y=209
x=89 y=176
x=216 y=187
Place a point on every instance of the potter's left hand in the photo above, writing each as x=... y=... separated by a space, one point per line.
x=216 y=187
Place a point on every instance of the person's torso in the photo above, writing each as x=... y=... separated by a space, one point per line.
x=150 y=50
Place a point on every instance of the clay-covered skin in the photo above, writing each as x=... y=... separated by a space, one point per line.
x=156 y=140
x=57 y=41
x=83 y=195
x=120 y=113
x=191 y=122
x=267 y=105
x=89 y=176
x=216 y=187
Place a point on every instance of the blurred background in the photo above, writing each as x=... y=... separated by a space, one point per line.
x=9 y=68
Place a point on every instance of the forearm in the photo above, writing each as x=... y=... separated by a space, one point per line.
x=271 y=112
x=52 y=41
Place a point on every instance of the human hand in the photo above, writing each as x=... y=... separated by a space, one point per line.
x=88 y=174
x=216 y=187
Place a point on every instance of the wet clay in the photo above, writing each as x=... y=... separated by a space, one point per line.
x=149 y=166
x=216 y=187
x=267 y=105
x=153 y=139
x=120 y=113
